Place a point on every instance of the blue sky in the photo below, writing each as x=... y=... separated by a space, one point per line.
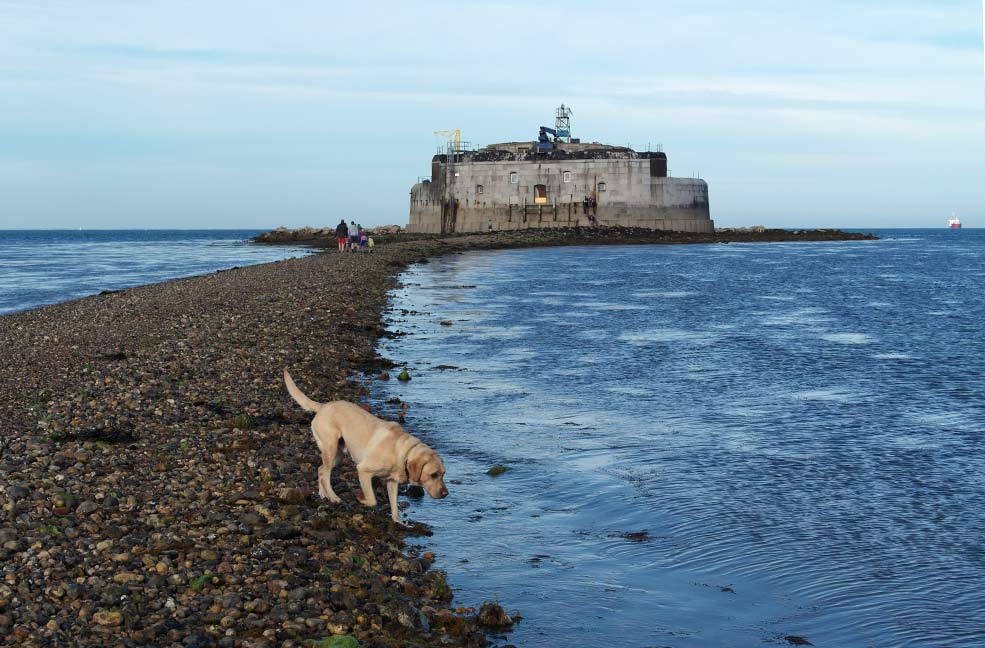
x=256 y=114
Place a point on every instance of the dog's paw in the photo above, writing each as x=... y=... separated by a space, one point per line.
x=334 y=499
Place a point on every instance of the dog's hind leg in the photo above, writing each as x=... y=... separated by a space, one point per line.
x=329 y=459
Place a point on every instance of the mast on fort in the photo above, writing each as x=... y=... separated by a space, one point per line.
x=555 y=181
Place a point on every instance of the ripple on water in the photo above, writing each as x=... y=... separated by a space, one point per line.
x=608 y=306
x=892 y=356
x=832 y=394
x=799 y=317
x=668 y=335
x=664 y=294
x=848 y=338
x=837 y=494
x=629 y=391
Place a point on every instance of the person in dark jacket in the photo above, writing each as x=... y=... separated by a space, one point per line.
x=341 y=235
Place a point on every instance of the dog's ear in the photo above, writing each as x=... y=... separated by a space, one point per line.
x=415 y=466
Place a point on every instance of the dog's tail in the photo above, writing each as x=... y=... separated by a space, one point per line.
x=299 y=396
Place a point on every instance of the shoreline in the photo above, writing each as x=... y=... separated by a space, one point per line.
x=323 y=238
x=158 y=481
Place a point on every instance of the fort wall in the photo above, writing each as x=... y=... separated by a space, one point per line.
x=630 y=189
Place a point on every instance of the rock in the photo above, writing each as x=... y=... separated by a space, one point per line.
x=297 y=594
x=497 y=470
x=197 y=641
x=231 y=600
x=252 y=519
x=404 y=376
x=492 y=615
x=283 y=532
x=87 y=507
x=104 y=618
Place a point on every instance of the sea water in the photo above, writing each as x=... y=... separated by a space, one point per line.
x=39 y=267
x=708 y=445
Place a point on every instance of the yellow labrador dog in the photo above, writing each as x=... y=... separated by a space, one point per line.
x=379 y=449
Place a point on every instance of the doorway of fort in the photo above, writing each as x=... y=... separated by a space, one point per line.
x=540 y=194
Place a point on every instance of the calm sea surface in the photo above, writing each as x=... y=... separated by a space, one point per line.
x=48 y=266
x=795 y=432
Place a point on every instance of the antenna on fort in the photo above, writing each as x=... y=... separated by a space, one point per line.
x=562 y=123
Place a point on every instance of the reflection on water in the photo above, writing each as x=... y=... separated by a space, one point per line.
x=742 y=443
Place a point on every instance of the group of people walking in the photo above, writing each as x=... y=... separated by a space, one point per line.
x=352 y=237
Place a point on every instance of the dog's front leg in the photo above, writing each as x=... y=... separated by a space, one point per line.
x=366 y=482
x=391 y=491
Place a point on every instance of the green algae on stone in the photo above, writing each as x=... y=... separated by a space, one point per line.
x=335 y=641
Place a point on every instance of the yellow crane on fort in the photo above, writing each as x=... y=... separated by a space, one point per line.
x=455 y=135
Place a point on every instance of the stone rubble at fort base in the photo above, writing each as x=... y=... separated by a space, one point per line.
x=514 y=185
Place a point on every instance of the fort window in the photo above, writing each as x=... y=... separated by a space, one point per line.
x=601 y=186
x=514 y=178
x=540 y=194
x=478 y=189
x=566 y=176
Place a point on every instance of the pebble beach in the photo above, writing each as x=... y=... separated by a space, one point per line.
x=157 y=483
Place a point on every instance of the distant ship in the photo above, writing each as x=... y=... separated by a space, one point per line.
x=954 y=222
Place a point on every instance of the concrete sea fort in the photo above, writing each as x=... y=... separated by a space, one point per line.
x=556 y=181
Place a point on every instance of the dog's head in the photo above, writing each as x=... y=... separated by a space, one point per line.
x=425 y=468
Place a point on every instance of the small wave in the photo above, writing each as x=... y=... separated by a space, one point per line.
x=824 y=395
x=801 y=316
x=667 y=335
x=892 y=356
x=629 y=391
x=607 y=306
x=497 y=332
x=666 y=294
x=848 y=338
